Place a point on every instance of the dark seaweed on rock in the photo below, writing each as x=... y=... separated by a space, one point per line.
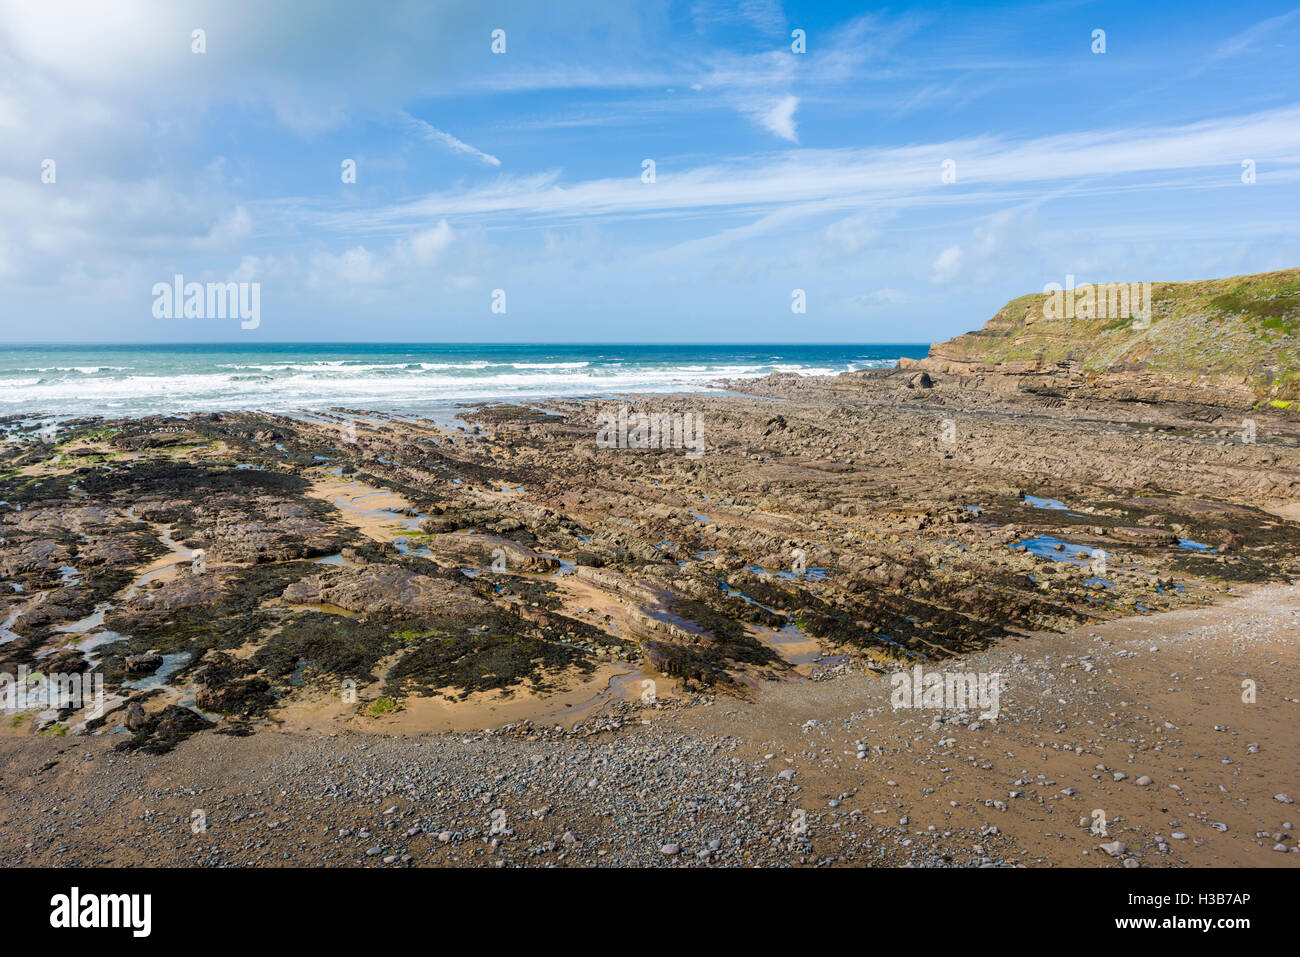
x=228 y=685
x=707 y=644
x=193 y=631
x=561 y=628
x=326 y=645
x=191 y=482
x=221 y=613
x=489 y=651
x=540 y=594
x=163 y=731
x=698 y=666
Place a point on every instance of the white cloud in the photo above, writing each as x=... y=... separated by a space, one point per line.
x=947 y=266
x=854 y=233
x=231 y=230
x=425 y=247
x=355 y=266
x=407 y=259
x=779 y=118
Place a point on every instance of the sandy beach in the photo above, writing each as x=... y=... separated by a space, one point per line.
x=1085 y=717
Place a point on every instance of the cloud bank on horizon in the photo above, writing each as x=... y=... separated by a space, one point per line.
x=664 y=171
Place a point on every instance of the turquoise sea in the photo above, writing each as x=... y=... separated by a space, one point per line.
x=132 y=380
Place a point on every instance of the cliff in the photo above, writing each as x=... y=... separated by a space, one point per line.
x=1234 y=341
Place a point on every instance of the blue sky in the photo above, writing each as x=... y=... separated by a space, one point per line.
x=522 y=171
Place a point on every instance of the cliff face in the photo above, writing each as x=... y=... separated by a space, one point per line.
x=1234 y=340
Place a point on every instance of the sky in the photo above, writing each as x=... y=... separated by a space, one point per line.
x=908 y=171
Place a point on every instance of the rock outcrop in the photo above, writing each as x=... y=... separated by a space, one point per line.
x=1227 y=342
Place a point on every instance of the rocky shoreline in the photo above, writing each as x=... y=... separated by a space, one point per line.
x=284 y=594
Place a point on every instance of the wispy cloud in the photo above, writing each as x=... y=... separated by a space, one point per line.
x=1248 y=38
x=779 y=118
x=431 y=134
x=765 y=16
x=987 y=167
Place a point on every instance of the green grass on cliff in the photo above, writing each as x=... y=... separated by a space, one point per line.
x=1246 y=328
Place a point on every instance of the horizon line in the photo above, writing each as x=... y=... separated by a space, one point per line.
x=413 y=342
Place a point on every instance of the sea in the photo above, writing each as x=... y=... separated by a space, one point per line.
x=62 y=381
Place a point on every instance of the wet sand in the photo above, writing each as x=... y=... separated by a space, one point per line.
x=285 y=798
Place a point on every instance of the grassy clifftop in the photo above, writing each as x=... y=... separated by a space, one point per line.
x=1245 y=329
